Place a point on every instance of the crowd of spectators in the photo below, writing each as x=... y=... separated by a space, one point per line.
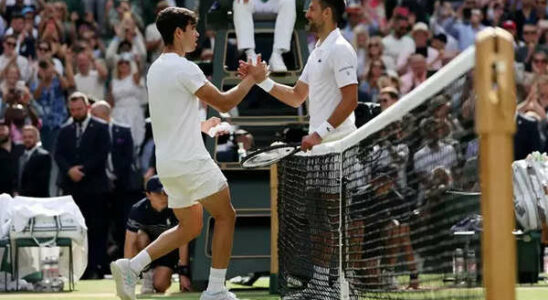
x=59 y=57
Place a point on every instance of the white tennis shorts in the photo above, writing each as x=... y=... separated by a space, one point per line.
x=185 y=190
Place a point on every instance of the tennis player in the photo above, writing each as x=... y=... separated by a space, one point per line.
x=190 y=177
x=329 y=78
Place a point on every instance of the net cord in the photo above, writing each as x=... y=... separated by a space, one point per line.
x=433 y=85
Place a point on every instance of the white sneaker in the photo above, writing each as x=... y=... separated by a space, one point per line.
x=276 y=63
x=124 y=278
x=148 y=282
x=222 y=295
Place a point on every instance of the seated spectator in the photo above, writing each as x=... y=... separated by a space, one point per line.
x=34 y=166
x=360 y=43
x=49 y=92
x=147 y=219
x=439 y=42
x=90 y=76
x=387 y=97
x=539 y=65
x=9 y=159
x=466 y=27
x=531 y=36
x=127 y=96
x=375 y=50
x=416 y=75
x=10 y=55
x=368 y=85
x=398 y=41
x=283 y=31
x=390 y=79
x=420 y=36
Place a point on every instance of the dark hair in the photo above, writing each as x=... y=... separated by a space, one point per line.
x=17 y=15
x=337 y=8
x=172 y=18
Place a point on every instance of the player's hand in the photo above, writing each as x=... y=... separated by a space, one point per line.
x=259 y=70
x=242 y=68
x=210 y=123
x=310 y=141
x=184 y=284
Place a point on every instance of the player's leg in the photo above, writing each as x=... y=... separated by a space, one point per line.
x=125 y=271
x=285 y=22
x=148 y=276
x=220 y=208
x=243 y=25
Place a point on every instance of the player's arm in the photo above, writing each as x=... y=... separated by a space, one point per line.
x=224 y=101
x=292 y=96
x=130 y=245
x=348 y=104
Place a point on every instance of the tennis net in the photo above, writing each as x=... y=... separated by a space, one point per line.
x=391 y=211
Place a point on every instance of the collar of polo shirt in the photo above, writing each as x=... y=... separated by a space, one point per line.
x=330 y=39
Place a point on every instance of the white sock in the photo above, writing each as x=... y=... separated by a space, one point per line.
x=140 y=261
x=216 y=280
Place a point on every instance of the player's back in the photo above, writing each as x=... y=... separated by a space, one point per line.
x=172 y=81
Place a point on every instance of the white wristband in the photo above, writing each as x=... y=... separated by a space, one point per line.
x=266 y=84
x=324 y=129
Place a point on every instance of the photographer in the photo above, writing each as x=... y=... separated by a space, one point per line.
x=49 y=92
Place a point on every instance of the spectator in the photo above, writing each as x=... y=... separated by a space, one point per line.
x=91 y=75
x=97 y=9
x=25 y=33
x=9 y=9
x=538 y=68
x=368 y=84
x=283 y=31
x=355 y=16
x=524 y=53
x=398 y=41
x=360 y=43
x=118 y=169
x=34 y=166
x=44 y=52
x=123 y=11
x=128 y=95
x=375 y=50
x=128 y=39
x=387 y=97
x=81 y=154
x=154 y=42
x=446 y=54
x=148 y=218
x=420 y=36
x=49 y=92
x=9 y=158
x=526 y=15
x=466 y=28
x=10 y=55
x=17 y=116
x=416 y=75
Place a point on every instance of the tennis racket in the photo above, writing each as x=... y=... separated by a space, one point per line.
x=269 y=155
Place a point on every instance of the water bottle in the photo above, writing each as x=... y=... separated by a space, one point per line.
x=471 y=267
x=545 y=260
x=458 y=265
x=241 y=152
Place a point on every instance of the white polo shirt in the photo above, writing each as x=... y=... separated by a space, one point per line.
x=330 y=66
x=172 y=81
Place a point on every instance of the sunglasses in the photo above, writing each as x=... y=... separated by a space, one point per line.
x=11 y=44
x=43 y=49
x=539 y=61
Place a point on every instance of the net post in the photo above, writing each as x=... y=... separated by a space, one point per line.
x=273 y=286
x=496 y=105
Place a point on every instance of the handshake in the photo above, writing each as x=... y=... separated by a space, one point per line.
x=258 y=70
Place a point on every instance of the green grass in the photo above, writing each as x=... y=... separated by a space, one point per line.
x=104 y=290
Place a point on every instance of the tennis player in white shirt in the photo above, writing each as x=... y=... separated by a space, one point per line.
x=189 y=175
x=329 y=78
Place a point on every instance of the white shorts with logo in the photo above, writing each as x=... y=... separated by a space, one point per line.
x=186 y=189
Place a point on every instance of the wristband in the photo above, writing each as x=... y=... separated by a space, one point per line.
x=266 y=84
x=183 y=270
x=324 y=129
